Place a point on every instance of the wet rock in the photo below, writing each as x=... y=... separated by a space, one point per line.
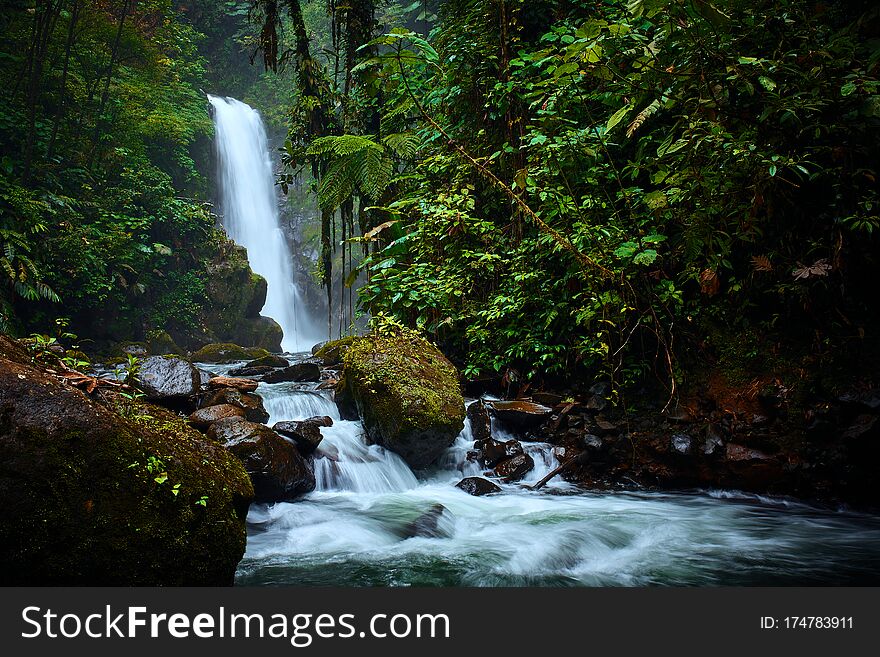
x=547 y=398
x=245 y=385
x=250 y=403
x=305 y=371
x=494 y=451
x=81 y=506
x=305 y=433
x=515 y=468
x=681 y=443
x=429 y=525
x=269 y=361
x=713 y=444
x=680 y=414
x=407 y=394
x=251 y=371
x=481 y=424
x=204 y=417
x=204 y=377
x=596 y=404
x=592 y=442
x=736 y=452
x=164 y=378
x=276 y=468
x=520 y=415
x=605 y=428
x=478 y=486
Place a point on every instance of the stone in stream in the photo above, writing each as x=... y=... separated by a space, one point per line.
x=205 y=417
x=520 y=415
x=406 y=392
x=305 y=433
x=277 y=469
x=478 y=486
x=429 y=525
x=681 y=443
x=249 y=402
x=515 y=468
x=259 y=370
x=494 y=451
x=305 y=371
x=245 y=385
x=269 y=361
x=165 y=378
x=481 y=424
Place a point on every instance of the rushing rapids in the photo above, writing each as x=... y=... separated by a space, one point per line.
x=250 y=215
x=372 y=521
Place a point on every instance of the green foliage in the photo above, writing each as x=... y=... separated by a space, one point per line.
x=102 y=209
x=713 y=162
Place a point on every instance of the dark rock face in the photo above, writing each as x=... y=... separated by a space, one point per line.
x=250 y=403
x=481 y=424
x=515 y=468
x=276 y=468
x=306 y=371
x=305 y=433
x=478 y=486
x=205 y=417
x=261 y=332
x=81 y=504
x=520 y=416
x=406 y=393
x=163 y=378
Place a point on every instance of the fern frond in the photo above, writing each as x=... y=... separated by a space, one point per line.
x=403 y=144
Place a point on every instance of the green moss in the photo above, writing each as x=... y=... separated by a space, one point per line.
x=332 y=352
x=407 y=393
x=227 y=352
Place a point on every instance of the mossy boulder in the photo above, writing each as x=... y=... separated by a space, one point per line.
x=331 y=353
x=109 y=492
x=160 y=343
x=407 y=394
x=227 y=352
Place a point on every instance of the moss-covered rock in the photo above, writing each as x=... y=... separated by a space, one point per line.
x=331 y=353
x=407 y=394
x=161 y=343
x=227 y=352
x=110 y=493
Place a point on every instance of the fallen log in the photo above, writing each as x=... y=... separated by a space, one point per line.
x=579 y=459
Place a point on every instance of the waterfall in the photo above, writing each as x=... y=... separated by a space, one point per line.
x=250 y=216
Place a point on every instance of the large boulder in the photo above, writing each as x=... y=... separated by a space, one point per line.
x=165 y=378
x=407 y=394
x=227 y=352
x=250 y=403
x=92 y=496
x=278 y=471
x=481 y=424
x=245 y=385
x=515 y=468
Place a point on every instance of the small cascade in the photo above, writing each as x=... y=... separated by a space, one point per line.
x=372 y=521
x=250 y=216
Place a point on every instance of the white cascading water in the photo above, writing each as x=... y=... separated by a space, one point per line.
x=250 y=216
x=372 y=521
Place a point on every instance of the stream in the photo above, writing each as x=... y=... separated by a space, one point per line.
x=356 y=528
